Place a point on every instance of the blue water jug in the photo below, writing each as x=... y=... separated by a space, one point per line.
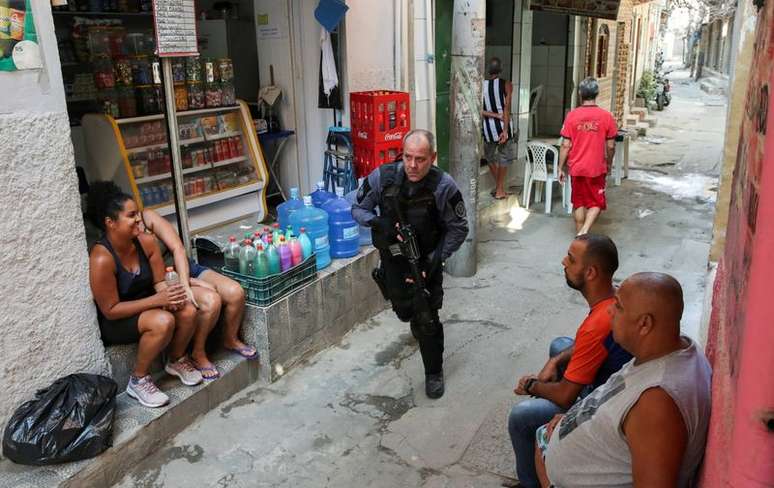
x=315 y=221
x=320 y=195
x=343 y=233
x=365 y=232
x=284 y=210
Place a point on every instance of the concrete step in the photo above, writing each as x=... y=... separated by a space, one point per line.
x=631 y=121
x=139 y=431
x=306 y=321
x=639 y=112
x=714 y=86
x=641 y=128
x=651 y=121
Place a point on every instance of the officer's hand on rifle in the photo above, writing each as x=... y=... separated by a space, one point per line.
x=411 y=280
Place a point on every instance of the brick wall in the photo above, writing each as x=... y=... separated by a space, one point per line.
x=618 y=63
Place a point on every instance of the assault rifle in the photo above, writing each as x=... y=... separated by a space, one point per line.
x=408 y=247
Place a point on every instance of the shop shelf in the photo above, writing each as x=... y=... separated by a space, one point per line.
x=146 y=118
x=164 y=176
x=226 y=162
x=102 y=14
x=153 y=147
x=215 y=137
x=211 y=197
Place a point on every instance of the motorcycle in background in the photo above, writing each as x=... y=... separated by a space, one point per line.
x=663 y=92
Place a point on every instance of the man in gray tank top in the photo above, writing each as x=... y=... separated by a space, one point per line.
x=647 y=425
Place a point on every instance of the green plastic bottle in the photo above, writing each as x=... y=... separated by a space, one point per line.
x=273 y=258
x=289 y=233
x=276 y=233
x=261 y=261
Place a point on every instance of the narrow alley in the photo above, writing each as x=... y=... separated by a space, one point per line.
x=356 y=414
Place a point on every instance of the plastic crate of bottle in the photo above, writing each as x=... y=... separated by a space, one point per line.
x=265 y=291
x=379 y=116
x=367 y=157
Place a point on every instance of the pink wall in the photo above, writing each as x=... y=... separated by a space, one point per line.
x=740 y=448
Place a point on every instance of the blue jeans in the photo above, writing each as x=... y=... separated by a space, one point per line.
x=524 y=420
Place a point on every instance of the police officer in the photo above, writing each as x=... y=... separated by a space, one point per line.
x=416 y=193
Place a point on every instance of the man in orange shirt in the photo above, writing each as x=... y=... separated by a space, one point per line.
x=575 y=367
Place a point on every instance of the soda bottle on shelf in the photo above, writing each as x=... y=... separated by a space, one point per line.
x=257 y=239
x=273 y=258
x=286 y=259
x=296 y=253
x=306 y=243
x=261 y=261
x=289 y=233
x=231 y=254
x=265 y=235
x=247 y=258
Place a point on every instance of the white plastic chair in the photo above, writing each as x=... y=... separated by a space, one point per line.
x=536 y=170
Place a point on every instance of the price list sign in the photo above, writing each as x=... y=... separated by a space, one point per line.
x=175 y=27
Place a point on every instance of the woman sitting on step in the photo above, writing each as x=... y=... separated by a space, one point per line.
x=134 y=304
x=208 y=290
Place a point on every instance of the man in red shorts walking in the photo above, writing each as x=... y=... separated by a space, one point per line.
x=588 y=146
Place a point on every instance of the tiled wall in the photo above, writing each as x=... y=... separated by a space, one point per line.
x=548 y=69
x=520 y=70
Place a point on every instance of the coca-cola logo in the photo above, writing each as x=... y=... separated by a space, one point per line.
x=362 y=134
x=395 y=136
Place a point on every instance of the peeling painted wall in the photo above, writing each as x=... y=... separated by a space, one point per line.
x=740 y=447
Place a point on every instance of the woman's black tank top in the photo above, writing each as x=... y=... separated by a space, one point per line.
x=131 y=286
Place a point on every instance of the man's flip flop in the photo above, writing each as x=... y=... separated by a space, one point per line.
x=246 y=352
x=204 y=370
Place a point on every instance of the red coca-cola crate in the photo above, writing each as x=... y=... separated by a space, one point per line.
x=368 y=157
x=379 y=116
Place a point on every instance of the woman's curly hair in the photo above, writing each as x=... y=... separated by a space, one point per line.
x=105 y=199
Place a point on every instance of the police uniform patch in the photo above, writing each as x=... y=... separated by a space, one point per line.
x=458 y=205
x=459 y=209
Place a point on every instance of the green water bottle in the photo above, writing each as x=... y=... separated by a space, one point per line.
x=273 y=258
x=261 y=261
x=289 y=233
x=276 y=233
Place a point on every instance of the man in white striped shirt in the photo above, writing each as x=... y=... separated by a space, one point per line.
x=499 y=147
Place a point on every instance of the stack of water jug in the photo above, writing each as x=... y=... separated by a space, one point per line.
x=325 y=227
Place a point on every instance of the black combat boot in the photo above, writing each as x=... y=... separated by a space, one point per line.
x=434 y=385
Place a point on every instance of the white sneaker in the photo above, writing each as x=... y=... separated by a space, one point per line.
x=146 y=392
x=183 y=369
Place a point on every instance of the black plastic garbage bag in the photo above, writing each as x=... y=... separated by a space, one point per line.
x=70 y=420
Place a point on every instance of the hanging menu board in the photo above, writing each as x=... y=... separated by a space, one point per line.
x=175 y=27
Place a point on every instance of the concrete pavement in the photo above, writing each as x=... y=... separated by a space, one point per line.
x=356 y=414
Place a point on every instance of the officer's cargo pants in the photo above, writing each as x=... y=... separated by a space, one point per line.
x=402 y=297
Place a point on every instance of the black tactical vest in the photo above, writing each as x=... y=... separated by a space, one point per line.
x=415 y=202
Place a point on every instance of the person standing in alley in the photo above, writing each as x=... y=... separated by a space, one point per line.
x=499 y=147
x=415 y=194
x=588 y=147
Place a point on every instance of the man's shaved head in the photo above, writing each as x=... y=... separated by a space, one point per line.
x=658 y=294
x=647 y=312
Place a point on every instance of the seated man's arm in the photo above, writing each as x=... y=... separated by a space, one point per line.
x=563 y=392
x=550 y=371
x=657 y=438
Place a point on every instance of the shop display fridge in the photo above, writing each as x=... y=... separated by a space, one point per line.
x=224 y=170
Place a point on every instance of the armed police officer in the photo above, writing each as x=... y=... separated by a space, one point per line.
x=420 y=222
